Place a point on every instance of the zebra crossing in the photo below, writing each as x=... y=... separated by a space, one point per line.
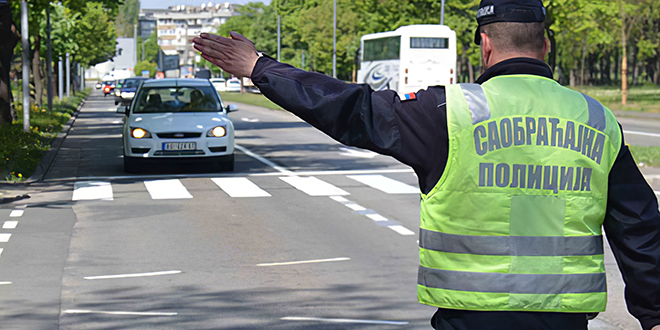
x=242 y=187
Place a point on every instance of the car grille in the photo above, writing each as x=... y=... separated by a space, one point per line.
x=218 y=149
x=178 y=152
x=179 y=135
x=140 y=150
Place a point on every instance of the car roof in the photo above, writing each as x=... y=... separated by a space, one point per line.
x=176 y=82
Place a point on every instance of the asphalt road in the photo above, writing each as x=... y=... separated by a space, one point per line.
x=304 y=234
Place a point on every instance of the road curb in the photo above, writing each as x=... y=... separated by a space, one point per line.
x=47 y=160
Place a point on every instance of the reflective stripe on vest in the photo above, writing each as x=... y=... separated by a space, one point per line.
x=512 y=245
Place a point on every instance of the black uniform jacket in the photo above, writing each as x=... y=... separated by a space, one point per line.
x=415 y=133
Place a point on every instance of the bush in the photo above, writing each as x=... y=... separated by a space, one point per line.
x=22 y=151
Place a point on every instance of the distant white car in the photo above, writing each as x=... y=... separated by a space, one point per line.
x=180 y=121
x=219 y=84
x=233 y=85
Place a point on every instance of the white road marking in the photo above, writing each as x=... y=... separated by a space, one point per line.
x=339 y=199
x=642 y=133
x=92 y=190
x=5 y=283
x=240 y=187
x=10 y=225
x=4 y=238
x=384 y=184
x=16 y=213
x=357 y=153
x=313 y=186
x=250 y=120
x=355 y=207
x=85 y=311
x=376 y=217
x=105 y=277
x=1 y=251
x=321 y=319
x=302 y=262
x=167 y=189
x=278 y=168
x=401 y=230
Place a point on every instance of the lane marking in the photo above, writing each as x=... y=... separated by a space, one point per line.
x=278 y=168
x=401 y=230
x=642 y=133
x=313 y=186
x=4 y=238
x=250 y=120
x=355 y=207
x=167 y=189
x=357 y=153
x=329 y=320
x=339 y=199
x=302 y=262
x=1 y=251
x=240 y=187
x=92 y=190
x=376 y=217
x=10 y=225
x=105 y=277
x=5 y=283
x=384 y=184
x=16 y=213
x=340 y=172
x=85 y=311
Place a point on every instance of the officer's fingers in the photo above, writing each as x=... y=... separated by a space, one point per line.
x=237 y=36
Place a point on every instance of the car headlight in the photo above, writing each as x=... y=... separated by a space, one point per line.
x=140 y=133
x=218 y=131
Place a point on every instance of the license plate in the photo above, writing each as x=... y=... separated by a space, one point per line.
x=174 y=146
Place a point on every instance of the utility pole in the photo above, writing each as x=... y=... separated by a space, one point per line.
x=60 y=79
x=26 y=66
x=334 y=38
x=49 y=60
x=442 y=13
x=279 y=37
x=68 y=75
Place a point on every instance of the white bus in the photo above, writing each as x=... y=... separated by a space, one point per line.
x=408 y=59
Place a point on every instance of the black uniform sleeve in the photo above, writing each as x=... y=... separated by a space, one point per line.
x=414 y=132
x=632 y=227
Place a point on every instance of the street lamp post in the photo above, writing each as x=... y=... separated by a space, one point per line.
x=334 y=38
x=26 y=67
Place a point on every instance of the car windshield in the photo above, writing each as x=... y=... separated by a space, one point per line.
x=177 y=99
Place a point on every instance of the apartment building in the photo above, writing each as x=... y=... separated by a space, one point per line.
x=176 y=26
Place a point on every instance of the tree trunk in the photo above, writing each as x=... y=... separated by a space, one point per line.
x=7 y=44
x=470 y=72
x=582 y=64
x=36 y=72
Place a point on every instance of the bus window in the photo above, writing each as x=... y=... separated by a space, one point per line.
x=382 y=49
x=434 y=43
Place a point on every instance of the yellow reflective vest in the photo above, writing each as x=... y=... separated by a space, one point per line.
x=514 y=223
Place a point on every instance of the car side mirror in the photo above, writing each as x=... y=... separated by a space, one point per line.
x=232 y=107
x=123 y=109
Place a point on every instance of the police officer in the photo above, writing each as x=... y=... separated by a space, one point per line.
x=518 y=176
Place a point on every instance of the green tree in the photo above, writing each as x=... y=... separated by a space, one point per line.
x=146 y=66
x=151 y=48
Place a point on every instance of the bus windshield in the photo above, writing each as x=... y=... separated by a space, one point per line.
x=388 y=48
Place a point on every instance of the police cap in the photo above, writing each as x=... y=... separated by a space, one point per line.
x=520 y=11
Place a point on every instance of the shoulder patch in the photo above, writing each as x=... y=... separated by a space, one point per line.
x=409 y=96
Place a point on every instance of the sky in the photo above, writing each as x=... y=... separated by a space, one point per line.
x=154 y=4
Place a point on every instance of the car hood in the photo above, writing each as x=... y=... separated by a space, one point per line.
x=178 y=122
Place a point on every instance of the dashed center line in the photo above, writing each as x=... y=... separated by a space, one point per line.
x=10 y=225
x=329 y=320
x=4 y=238
x=104 y=277
x=302 y=262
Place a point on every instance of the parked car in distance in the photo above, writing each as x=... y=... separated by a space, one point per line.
x=108 y=87
x=98 y=85
x=219 y=84
x=179 y=121
x=124 y=94
x=233 y=85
